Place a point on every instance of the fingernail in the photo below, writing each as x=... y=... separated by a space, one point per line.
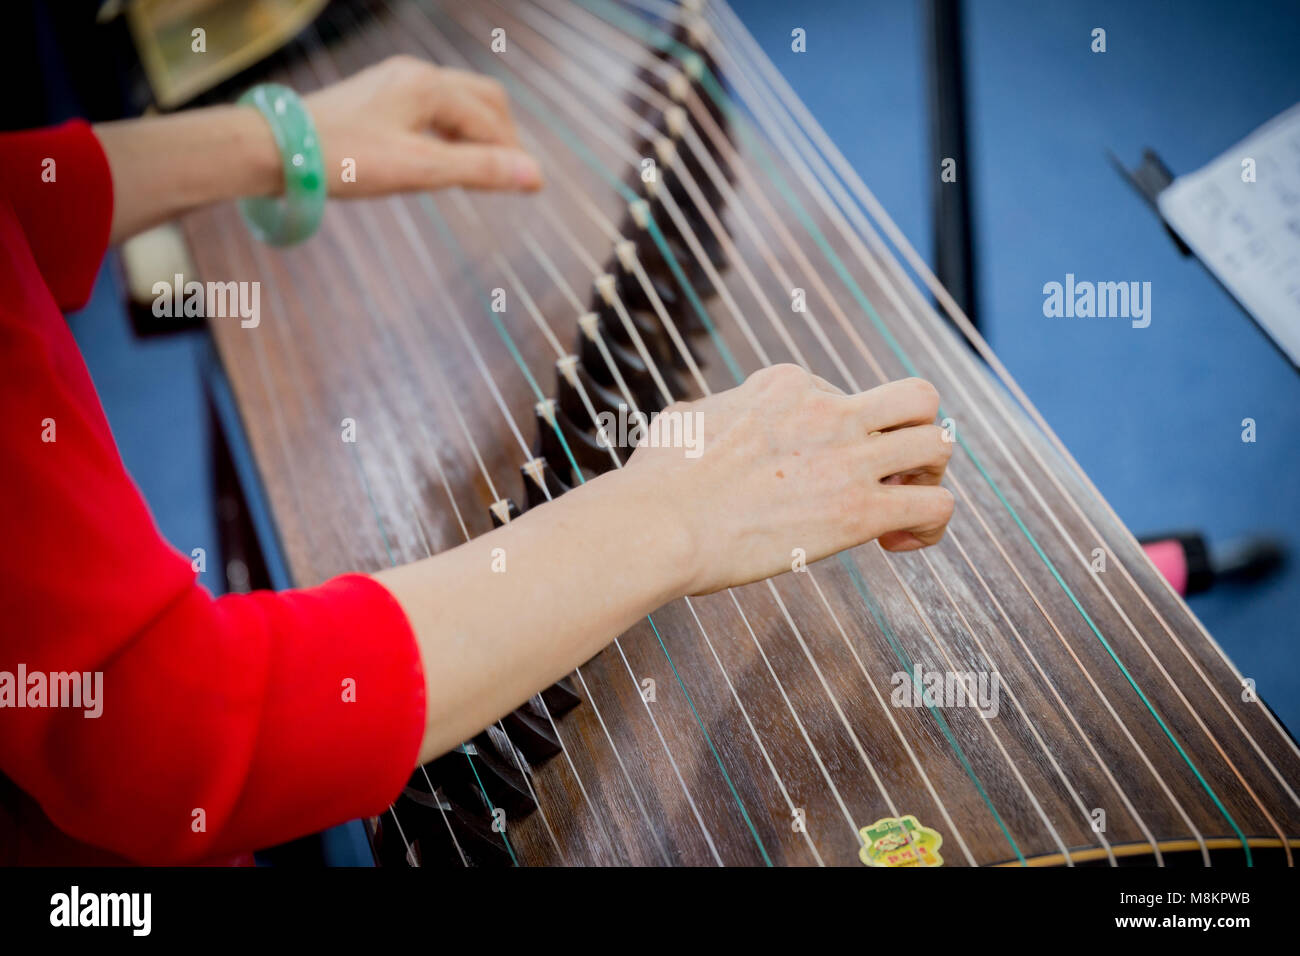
x=528 y=175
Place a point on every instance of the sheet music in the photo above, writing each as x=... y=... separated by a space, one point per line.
x=1248 y=233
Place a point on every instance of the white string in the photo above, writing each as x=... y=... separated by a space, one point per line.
x=813 y=129
x=704 y=259
x=397 y=284
x=549 y=266
x=814 y=184
x=781 y=688
x=812 y=661
x=428 y=264
x=720 y=183
x=1047 y=822
x=278 y=309
x=701 y=115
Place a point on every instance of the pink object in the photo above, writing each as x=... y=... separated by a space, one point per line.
x=1170 y=558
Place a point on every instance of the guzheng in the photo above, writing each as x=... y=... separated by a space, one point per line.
x=431 y=366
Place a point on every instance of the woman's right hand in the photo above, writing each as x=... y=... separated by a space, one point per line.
x=791 y=468
x=787 y=462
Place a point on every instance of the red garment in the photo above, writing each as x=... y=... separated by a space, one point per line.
x=233 y=705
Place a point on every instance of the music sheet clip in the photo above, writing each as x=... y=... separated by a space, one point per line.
x=1240 y=215
x=1150 y=178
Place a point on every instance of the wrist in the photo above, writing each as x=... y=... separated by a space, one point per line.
x=261 y=168
x=657 y=524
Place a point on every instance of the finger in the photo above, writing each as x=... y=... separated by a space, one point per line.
x=466 y=106
x=476 y=166
x=490 y=90
x=920 y=516
x=464 y=117
x=495 y=101
x=919 y=448
x=456 y=103
x=911 y=401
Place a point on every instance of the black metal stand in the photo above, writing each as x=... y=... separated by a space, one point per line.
x=954 y=257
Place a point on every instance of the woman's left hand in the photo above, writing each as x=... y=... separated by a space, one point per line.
x=404 y=124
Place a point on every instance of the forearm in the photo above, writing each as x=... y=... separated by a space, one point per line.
x=167 y=165
x=578 y=572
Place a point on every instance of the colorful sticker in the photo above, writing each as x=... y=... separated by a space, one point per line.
x=900 y=841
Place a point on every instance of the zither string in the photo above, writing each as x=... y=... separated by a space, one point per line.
x=396 y=282
x=711 y=86
x=573 y=44
x=669 y=397
x=906 y=662
x=1030 y=446
x=581 y=150
x=811 y=132
x=817 y=191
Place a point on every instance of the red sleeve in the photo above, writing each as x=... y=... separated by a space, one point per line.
x=59 y=186
x=274 y=714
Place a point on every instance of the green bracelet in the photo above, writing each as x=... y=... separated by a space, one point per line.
x=284 y=220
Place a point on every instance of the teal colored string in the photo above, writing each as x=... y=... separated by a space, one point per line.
x=525 y=98
x=365 y=483
x=465 y=750
x=523 y=95
x=1113 y=656
x=911 y=369
x=450 y=239
x=689 y=58
x=727 y=358
x=444 y=231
